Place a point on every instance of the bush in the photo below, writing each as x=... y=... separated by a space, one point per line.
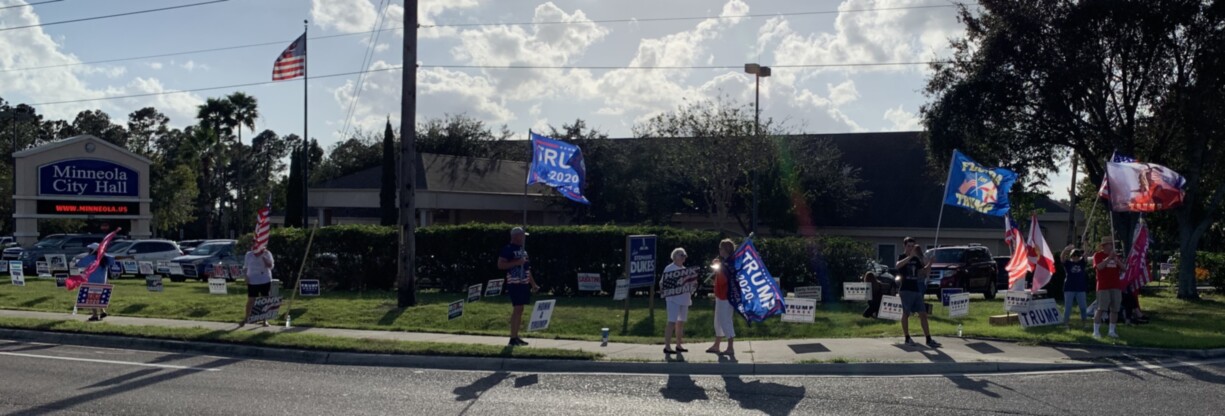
x=361 y=257
x=1214 y=264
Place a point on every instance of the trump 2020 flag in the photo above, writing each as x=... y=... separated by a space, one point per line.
x=1142 y=187
x=977 y=188
x=558 y=164
x=755 y=293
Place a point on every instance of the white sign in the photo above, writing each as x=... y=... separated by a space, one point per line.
x=1016 y=300
x=42 y=269
x=217 y=287
x=800 y=310
x=623 y=290
x=455 y=309
x=493 y=288
x=1040 y=312
x=959 y=305
x=474 y=292
x=153 y=283
x=589 y=282
x=890 y=308
x=808 y=292
x=146 y=268
x=58 y=262
x=263 y=309
x=130 y=267
x=541 y=315
x=858 y=291
x=1166 y=268
x=17 y=273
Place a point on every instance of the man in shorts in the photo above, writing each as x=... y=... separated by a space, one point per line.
x=259 y=279
x=913 y=268
x=519 y=283
x=1109 y=268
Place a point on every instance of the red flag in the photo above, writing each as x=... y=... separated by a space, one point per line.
x=75 y=281
x=1039 y=253
x=1018 y=265
x=1137 y=273
x=262 y=226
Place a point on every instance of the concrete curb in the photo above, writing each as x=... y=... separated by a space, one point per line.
x=1203 y=354
x=528 y=365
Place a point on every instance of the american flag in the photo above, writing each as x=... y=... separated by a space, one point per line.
x=1018 y=265
x=73 y=282
x=1104 y=191
x=1137 y=273
x=262 y=226
x=291 y=63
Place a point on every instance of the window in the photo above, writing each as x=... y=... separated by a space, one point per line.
x=161 y=247
x=74 y=243
x=886 y=253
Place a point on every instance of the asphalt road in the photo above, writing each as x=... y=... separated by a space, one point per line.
x=38 y=379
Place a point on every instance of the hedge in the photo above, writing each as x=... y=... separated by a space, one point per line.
x=363 y=257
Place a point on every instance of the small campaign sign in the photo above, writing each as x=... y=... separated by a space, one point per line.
x=946 y=292
x=4 y=266
x=589 y=282
x=455 y=309
x=640 y=260
x=1039 y=312
x=890 y=308
x=146 y=268
x=18 y=278
x=679 y=282
x=57 y=262
x=130 y=267
x=857 y=291
x=493 y=288
x=309 y=287
x=1166 y=268
x=42 y=268
x=264 y=308
x=235 y=271
x=1016 y=300
x=959 y=305
x=541 y=315
x=808 y=292
x=163 y=267
x=474 y=293
x=623 y=289
x=61 y=279
x=800 y=310
x=94 y=296
x=153 y=283
x=217 y=287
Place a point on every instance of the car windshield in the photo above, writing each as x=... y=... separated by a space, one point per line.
x=949 y=256
x=50 y=242
x=209 y=249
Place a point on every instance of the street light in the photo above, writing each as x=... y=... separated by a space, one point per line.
x=758 y=72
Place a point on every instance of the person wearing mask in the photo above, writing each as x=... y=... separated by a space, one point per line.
x=1109 y=269
x=519 y=283
x=99 y=276
x=1075 y=282
x=678 y=307
x=259 y=279
x=725 y=269
x=913 y=268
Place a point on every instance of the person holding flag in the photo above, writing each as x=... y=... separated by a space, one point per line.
x=519 y=282
x=1109 y=268
x=96 y=272
x=259 y=264
x=913 y=268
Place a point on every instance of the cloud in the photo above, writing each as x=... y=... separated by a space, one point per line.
x=155 y=65
x=345 y=16
x=191 y=66
x=901 y=120
x=843 y=93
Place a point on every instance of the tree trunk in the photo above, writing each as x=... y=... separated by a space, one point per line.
x=1186 y=262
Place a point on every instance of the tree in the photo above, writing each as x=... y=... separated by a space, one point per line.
x=390 y=213
x=218 y=114
x=97 y=123
x=461 y=135
x=349 y=157
x=172 y=189
x=293 y=193
x=145 y=127
x=246 y=111
x=1032 y=82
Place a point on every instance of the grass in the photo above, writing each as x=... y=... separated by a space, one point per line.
x=1175 y=323
x=294 y=340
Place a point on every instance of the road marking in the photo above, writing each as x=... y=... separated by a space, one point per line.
x=92 y=360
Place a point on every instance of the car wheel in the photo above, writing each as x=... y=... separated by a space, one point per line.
x=991 y=291
x=178 y=279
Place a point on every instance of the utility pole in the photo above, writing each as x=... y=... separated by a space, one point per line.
x=406 y=281
x=758 y=72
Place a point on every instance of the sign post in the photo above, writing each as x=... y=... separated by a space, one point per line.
x=309 y=287
x=890 y=308
x=474 y=293
x=800 y=310
x=265 y=308
x=857 y=291
x=589 y=282
x=1039 y=312
x=808 y=292
x=455 y=310
x=542 y=313
x=493 y=288
x=217 y=287
x=959 y=305
x=640 y=271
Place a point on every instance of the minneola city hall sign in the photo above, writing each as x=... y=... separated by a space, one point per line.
x=85 y=178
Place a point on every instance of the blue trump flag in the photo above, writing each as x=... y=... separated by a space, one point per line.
x=977 y=188
x=755 y=294
x=558 y=164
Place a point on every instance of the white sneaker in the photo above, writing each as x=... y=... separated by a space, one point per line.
x=1112 y=335
x=1097 y=334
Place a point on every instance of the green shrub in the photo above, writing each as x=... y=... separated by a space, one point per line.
x=1215 y=264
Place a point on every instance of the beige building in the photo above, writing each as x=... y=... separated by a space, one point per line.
x=82 y=177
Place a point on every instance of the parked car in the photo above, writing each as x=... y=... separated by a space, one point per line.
x=199 y=264
x=141 y=250
x=969 y=268
x=6 y=242
x=13 y=253
x=188 y=245
x=110 y=249
x=66 y=244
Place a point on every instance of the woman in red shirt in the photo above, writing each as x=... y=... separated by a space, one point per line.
x=724 y=328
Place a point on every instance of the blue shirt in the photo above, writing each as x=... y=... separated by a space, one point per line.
x=99 y=275
x=515 y=275
x=1075 y=279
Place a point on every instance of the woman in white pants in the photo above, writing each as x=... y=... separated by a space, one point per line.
x=724 y=327
x=678 y=306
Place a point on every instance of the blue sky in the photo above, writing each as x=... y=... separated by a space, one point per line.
x=809 y=100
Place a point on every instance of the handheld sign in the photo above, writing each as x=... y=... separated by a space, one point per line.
x=146 y=268
x=623 y=289
x=959 y=305
x=1016 y=300
x=309 y=287
x=890 y=308
x=946 y=292
x=679 y=282
x=589 y=282
x=493 y=288
x=1040 y=312
x=153 y=283
x=217 y=287
x=58 y=262
x=94 y=296
x=474 y=293
x=42 y=269
x=800 y=310
x=857 y=291
x=808 y=292
x=640 y=260
x=61 y=279
x=130 y=267
x=265 y=308
x=455 y=309
x=541 y=315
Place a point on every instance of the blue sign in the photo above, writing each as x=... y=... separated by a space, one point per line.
x=558 y=164
x=640 y=260
x=309 y=288
x=755 y=294
x=945 y=293
x=88 y=177
x=977 y=188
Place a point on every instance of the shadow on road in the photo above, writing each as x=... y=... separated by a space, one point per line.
x=769 y=398
x=525 y=381
x=681 y=388
x=480 y=386
x=127 y=383
x=977 y=386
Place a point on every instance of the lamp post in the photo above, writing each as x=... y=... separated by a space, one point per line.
x=758 y=72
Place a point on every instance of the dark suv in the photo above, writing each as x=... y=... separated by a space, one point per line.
x=969 y=268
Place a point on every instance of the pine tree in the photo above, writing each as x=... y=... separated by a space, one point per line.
x=293 y=195
x=387 y=194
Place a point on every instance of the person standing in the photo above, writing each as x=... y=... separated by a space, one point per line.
x=877 y=294
x=1109 y=269
x=259 y=279
x=1075 y=282
x=678 y=306
x=519 y=282
x=99 y=276
x=914 y=268
x=725 y=269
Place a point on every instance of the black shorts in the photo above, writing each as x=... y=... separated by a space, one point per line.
x=259 y=291
x=519 y=294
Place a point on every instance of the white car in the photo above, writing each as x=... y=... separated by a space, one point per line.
x=146 y=250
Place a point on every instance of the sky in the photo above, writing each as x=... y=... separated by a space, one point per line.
x=782 y=33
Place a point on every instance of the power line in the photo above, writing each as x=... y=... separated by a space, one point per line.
x=29 y=4
x=670 y=19
x=366 y=60
x=84 y=19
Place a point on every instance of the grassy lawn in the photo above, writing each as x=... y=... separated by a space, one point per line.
x=1175 y=323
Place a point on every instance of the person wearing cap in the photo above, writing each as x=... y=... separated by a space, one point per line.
x=99 y=276
x=1109 y=269
x=519 y=282
x=259 y=279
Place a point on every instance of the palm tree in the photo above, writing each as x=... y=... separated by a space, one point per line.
x=246 y=111
x=217 y=114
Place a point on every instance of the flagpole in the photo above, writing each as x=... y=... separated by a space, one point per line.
x=944 y=191
x=305 y=126
x=531 y=158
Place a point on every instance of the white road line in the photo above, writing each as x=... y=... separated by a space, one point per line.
x=91 y=360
